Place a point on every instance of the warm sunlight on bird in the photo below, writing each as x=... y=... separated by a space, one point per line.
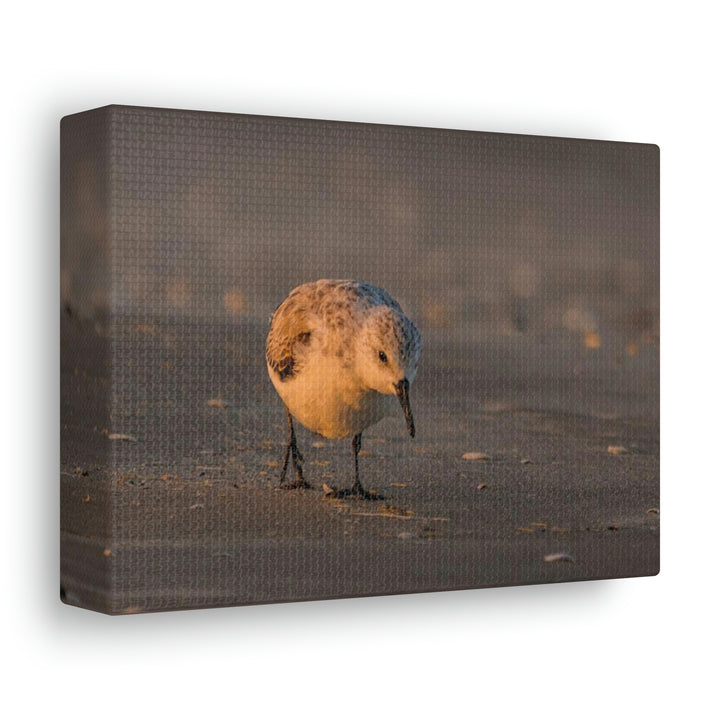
x=340 y=354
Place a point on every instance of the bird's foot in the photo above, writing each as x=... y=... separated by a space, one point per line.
x=369 y=494
x=300 y=484
x=356 y=490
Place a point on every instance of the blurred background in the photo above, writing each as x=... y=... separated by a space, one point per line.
x=477 y=235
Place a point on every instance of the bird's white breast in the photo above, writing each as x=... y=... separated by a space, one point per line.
x=327 y=398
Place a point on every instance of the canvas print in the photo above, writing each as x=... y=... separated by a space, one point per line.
x=305 y=359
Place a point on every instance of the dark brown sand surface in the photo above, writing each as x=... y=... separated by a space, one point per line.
x=185 y=511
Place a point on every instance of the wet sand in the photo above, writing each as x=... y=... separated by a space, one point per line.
x=186 y=512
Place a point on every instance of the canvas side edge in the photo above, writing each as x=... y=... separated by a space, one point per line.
x=85 y=390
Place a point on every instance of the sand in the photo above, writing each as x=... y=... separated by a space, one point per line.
x=185 y=512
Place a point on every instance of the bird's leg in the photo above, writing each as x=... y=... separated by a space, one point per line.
x=357 y=488
x=297 y=458
x=292 y=452
x=285 y=464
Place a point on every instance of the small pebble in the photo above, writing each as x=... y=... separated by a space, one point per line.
x=120 y=436
x=617 y=450
x=217 y=403
x=653 y=511
x=481 y=486
x=558 y=557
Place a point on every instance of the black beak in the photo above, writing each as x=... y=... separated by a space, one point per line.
x=403 y=392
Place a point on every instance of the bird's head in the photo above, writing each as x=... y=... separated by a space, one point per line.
x=387 y=354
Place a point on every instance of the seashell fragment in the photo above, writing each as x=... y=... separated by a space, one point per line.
x=475 y=456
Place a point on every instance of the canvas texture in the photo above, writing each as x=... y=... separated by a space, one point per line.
x=530 y=265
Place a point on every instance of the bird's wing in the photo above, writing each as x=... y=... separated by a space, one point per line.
x=290 y=333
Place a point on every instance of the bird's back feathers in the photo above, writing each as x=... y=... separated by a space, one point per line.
x=310 y=313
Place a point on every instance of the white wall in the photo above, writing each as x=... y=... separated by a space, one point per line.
x=614 y=70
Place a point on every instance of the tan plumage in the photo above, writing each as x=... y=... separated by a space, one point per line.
x=337 y=352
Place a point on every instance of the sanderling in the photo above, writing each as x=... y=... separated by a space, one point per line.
x=337 y=352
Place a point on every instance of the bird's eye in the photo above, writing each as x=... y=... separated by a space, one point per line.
x=382 y=356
